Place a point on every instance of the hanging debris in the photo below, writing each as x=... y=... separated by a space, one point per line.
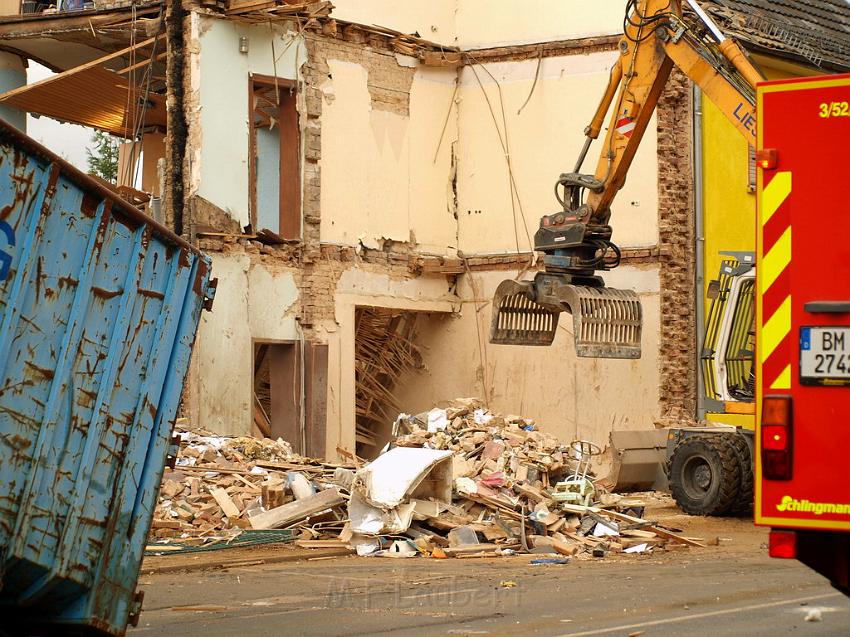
x=383 y=351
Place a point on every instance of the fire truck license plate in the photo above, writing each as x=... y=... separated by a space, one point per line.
x=825 y=355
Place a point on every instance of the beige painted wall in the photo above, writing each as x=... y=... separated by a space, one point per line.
x=485 y=23
x=568 y=396
x=219 y=97
x=254 y=302
x=544 y=140
x=433 y=20
x=380 y=179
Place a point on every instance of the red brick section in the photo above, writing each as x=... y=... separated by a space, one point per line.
x=678 y=348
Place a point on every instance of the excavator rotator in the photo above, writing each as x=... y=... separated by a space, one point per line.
x=606 y=321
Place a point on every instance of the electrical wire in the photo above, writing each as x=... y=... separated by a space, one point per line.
x=506 y=151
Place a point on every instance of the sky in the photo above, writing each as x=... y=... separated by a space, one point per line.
x=66 y=140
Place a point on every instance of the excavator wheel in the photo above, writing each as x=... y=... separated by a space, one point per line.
x=744 y=502
x=705 y=475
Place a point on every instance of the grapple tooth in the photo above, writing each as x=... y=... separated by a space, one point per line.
x=518 y=319
x=606 y=322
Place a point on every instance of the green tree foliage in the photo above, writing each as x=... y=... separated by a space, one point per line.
x=102 y=156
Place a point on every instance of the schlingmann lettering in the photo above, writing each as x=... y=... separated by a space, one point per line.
x=818 y=508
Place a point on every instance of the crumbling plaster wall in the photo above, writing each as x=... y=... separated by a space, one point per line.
x=543 y=134
x=387 y=129
x=569 y=397
x=256 y=300
x=677 y=245
x=217 y=103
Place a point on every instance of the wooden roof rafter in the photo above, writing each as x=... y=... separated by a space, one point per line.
x=93 y=95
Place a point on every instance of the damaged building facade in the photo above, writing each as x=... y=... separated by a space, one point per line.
x=423 y=173
x=362 y=192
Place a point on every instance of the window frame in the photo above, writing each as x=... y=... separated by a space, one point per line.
x=289 y=205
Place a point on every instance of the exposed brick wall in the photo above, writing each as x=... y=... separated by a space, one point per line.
x=389 y=86
x=678 y=348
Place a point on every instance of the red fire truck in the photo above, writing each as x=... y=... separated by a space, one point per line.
x=803 y=322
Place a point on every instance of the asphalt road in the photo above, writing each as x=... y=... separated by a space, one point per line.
x=703 y=592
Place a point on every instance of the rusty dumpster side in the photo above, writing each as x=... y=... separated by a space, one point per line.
x=99 y=307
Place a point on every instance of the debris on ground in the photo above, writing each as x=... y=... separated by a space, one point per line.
x=222 y=485
x=457 y=482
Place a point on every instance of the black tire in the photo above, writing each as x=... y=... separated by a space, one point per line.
x=705 y=475
x=744 y=500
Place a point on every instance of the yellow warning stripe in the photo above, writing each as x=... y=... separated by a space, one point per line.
x=775 y=329
x=775 y=261
x=774 y=194
x=783 y=381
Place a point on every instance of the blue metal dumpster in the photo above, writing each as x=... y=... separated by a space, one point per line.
x=99 y=307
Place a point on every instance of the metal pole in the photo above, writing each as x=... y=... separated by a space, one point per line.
x=715 y=30
x=699 y=229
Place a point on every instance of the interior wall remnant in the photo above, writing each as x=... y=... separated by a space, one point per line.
x=255 y=302
x=569 y=397
x=433 y=20
x=521 y=126
x=460 y=23
x=219 y=103
x=402 y=122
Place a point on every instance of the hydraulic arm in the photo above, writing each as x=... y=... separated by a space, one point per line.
x=576 y=241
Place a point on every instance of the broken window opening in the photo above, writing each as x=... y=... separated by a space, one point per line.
x=384 y=349
x=274 y=166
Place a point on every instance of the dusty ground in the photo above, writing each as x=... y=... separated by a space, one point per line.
x=731 y=588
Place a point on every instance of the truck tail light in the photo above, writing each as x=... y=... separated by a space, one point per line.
x=776 y=437
x=782 y=544
x=767 y=158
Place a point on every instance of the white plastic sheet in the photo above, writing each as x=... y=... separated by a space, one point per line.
x=382 y=491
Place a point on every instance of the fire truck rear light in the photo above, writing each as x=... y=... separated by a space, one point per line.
x=767 y=158
x=776 y=437
x=783 y=544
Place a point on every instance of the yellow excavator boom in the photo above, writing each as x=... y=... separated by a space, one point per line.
x=576 y=241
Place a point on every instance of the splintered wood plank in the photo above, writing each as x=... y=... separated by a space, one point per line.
x=575 y=508
x=298 y=510
x=227 y=506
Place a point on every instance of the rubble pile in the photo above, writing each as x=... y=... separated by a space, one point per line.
x=457 y=482
x=218 y=484
x=490 y=449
